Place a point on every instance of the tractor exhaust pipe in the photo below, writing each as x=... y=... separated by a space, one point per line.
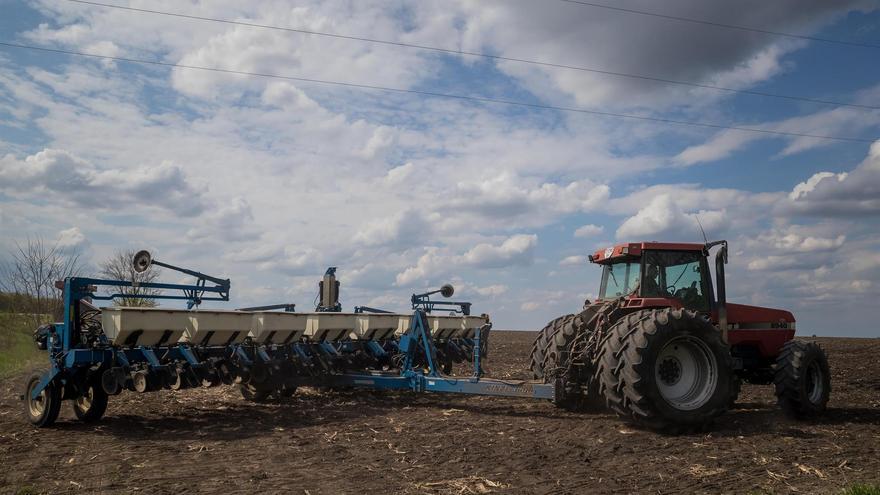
x=720 y=261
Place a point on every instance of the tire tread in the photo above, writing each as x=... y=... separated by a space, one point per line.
x=620 y=367
x=792 y=362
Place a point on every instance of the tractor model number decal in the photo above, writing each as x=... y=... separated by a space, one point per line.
x=763 y=326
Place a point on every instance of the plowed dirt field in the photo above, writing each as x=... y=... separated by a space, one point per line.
x=212 y=441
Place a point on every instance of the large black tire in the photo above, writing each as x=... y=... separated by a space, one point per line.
x=44 y=410
x=666 y=369
x=92 y=404
x=542 y=345
x=551 y=354
x=802 y=379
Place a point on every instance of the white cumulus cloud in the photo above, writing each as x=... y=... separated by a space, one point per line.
x=233 y=221
x=72 y=239
x=573 y=261
x=492 y=290
x=837 y=194
x=588 y=230
x=516 y=250
x=81 y=183
x=664 y=219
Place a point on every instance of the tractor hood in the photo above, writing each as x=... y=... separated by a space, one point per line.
x=756 y=317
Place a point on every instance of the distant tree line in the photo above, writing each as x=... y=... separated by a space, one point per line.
x=28 y=279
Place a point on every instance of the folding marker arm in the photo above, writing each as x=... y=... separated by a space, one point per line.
x=193 y=293
x=423 y=301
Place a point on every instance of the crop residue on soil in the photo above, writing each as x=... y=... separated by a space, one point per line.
x=211 y=440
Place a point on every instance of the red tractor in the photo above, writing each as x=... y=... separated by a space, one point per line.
x=660 y=348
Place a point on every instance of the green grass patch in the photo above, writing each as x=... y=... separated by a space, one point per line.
x=862 y=490
x=17 y=349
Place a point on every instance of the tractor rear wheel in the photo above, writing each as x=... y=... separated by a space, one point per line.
x=543 y=342
x=42 y=411
x=803 y=380
x=552 y=360
x=91 y=405
x=666 y=369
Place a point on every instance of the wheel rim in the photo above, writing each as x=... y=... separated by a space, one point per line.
x=84 y=401
x=38 y=405
x=686 y=373
x=140 y=382
x=815 y=384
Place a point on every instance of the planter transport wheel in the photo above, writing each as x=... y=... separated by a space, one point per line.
x=42 y=411
x=91 y=405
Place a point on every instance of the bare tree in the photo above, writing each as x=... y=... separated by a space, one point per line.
x=31 y=274
x=120 y=267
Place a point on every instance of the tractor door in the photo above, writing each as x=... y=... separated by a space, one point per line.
x=682 y=275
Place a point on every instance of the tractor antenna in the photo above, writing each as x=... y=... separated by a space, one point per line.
x=697 y=217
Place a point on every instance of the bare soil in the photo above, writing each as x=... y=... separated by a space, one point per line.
x=211 y=440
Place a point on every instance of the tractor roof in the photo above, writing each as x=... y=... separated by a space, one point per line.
x=635 y=249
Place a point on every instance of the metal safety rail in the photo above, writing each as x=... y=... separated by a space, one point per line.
x=98 y=353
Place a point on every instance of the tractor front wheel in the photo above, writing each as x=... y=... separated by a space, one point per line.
x=802 y=379
x=666 y=369
x=42 y=411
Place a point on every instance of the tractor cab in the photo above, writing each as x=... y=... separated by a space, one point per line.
x=657 y=274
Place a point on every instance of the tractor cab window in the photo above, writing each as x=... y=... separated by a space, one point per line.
x=619 y=279
x=676 y=274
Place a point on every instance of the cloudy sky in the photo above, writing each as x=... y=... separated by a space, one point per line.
x=269 y=180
